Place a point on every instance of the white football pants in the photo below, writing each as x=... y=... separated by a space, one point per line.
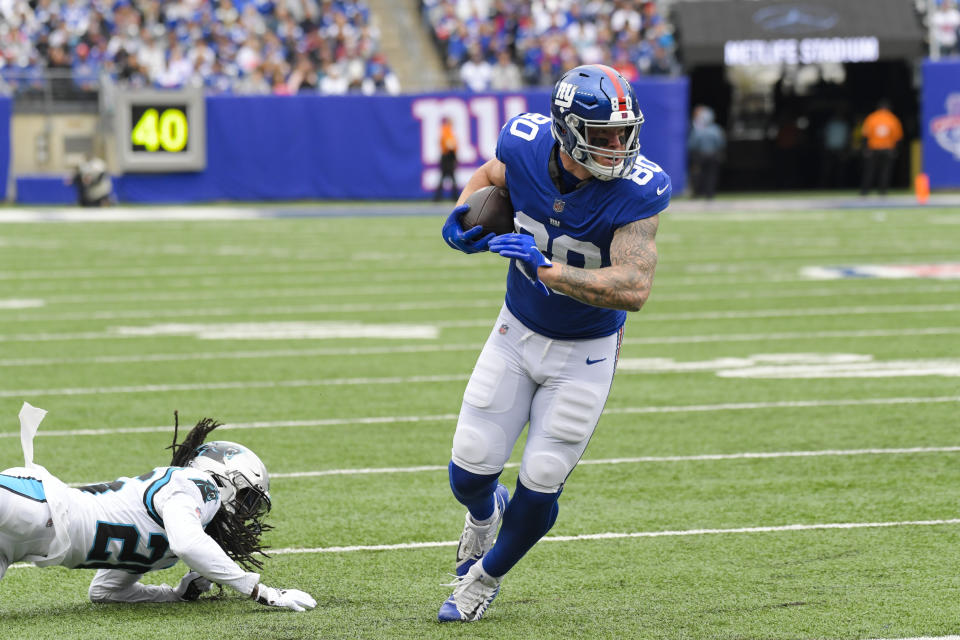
x=558 y=386
x=25 y=525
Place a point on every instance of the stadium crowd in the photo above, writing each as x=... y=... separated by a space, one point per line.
x=508 y=44
x=224 y=46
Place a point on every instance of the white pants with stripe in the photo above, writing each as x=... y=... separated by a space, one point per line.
x=558 y=386
x=25 y=525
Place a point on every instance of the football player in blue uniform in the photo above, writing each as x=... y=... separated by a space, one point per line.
x=586 y=206
x=205 y=509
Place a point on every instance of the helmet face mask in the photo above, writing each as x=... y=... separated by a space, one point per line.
x=589 y=106
x=242 y=477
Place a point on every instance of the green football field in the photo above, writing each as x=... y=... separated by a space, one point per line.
x=779 y=457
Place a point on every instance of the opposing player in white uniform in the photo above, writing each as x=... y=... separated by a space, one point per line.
x=204 y=509
x=586 y=214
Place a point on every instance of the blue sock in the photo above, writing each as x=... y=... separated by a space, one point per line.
x=474 y=491
x=529 y=515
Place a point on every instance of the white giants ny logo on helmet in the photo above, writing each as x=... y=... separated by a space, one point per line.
x=565 y=94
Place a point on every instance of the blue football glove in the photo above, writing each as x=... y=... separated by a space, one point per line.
x=468 y=241
x=523 y=249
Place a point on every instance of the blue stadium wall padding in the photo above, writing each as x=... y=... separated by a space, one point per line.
x=6 y=111
x=941 y=122
x=44 y=189
x=372 y=148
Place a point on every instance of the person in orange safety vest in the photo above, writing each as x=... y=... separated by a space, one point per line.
x=881 y=132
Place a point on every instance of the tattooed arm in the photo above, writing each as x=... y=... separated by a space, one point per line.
x=626 y=283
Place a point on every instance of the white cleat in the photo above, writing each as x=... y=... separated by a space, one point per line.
x=476 y=539
x=471 y=596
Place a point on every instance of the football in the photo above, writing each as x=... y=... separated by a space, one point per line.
x=490 y=207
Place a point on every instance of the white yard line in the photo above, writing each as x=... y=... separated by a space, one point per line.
x=204 y=311
x=219 y=386
x=707 y=457
x=635 y=534
x=383 y=307
x=403 y=546
x=436 y=348
x=329 y=422
x=193 y=295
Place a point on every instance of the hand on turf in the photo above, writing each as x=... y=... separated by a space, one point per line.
x=192 y=585
x=523 y=249
x=468 y=241
x=288 y=598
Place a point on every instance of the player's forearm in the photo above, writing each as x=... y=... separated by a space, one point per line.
x=200 y=552
x=204 y=556
x=492 y=172
x=477 y=181
x=616 y=287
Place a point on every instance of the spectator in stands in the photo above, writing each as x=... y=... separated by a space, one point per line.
x=881 y=133
x=476 y=73
x=545 y=37
x=150 y=55
x=304 y=77
x=945 y=21
x=505 y=75
x=85 y=70
x=380 y=78
x=254 y=83
x=211 y=44
x=333 y=81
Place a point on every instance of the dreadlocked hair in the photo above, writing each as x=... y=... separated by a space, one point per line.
x=238 y=537
x=186 y=451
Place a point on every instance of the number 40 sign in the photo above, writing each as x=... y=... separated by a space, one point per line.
x=161 y=131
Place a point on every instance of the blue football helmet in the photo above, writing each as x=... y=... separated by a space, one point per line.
x=588 y=104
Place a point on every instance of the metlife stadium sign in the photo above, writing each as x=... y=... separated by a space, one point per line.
x=774 y=32
x=804 y=51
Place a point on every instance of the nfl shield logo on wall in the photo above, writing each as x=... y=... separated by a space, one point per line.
x=558 y=205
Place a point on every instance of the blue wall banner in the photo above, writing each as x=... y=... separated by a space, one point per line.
x=941 y=123
x=6 y=112
x=374 y=148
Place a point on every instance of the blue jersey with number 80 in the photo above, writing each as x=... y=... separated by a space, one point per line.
x=574 y=228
